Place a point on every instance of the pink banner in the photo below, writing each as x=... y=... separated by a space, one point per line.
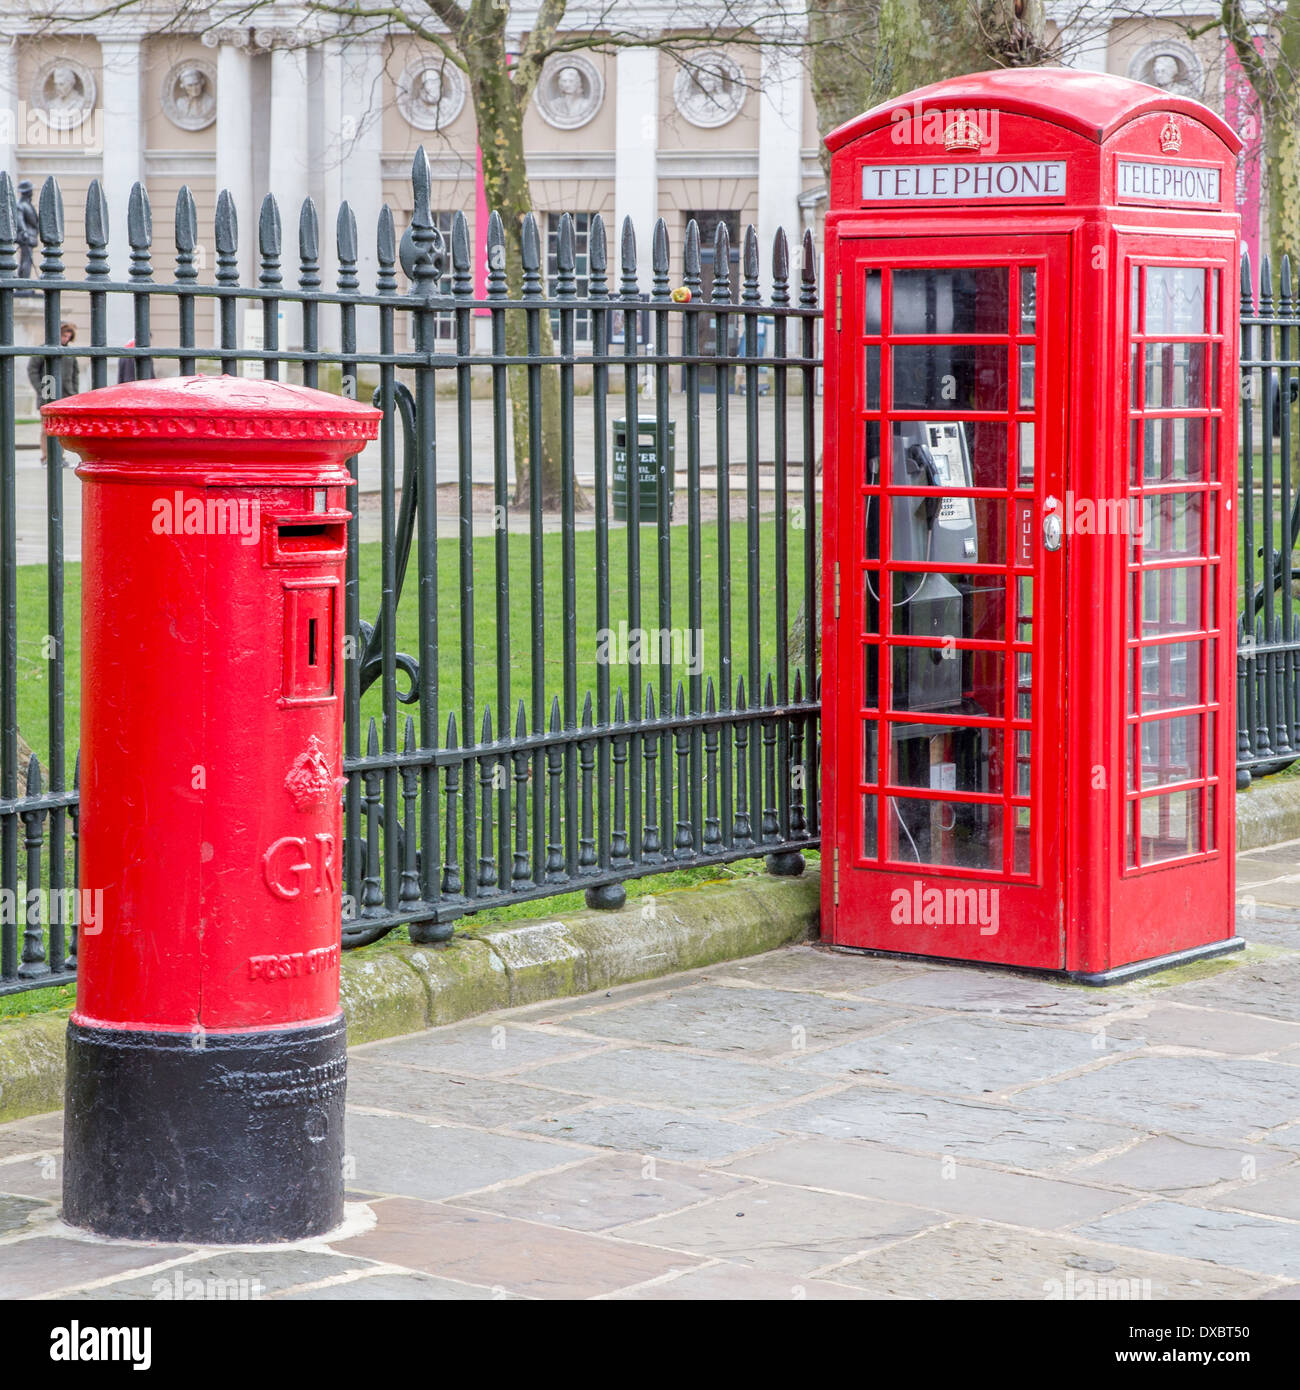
x=480 y=231
x=1241 y=111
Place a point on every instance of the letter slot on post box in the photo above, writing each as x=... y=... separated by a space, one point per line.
x=206 y=1052
x=1030 y=471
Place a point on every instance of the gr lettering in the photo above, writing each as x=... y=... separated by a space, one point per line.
x=293 y=865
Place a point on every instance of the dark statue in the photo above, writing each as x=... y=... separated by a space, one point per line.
x=28 y=236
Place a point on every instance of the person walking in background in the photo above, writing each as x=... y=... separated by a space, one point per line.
x=64 y=381
x=126 y=366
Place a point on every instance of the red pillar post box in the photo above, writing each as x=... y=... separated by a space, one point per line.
x=206 y=1052
x=1030 y=473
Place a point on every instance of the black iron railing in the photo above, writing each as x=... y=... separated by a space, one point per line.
x=1268 y=639
x=602 y=686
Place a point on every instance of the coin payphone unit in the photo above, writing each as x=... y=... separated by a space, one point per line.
x=1029 y=470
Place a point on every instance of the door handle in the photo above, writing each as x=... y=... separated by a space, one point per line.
x=1053 y=527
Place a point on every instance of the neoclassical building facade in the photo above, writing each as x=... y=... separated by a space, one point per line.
x=292 y=104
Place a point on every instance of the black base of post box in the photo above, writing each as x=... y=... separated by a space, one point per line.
x=1120 y=975
x=217 y=1138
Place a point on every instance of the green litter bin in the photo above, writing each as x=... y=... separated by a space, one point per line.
x=647 y=467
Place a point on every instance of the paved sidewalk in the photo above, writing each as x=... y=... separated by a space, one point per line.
x=800 y=1124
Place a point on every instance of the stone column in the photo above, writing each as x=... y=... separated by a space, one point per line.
x=289 y=136
x=780 y=144
x=636 y=124
x=10 y=98
x=123 y=165
x=234 y=168
x=361 y=130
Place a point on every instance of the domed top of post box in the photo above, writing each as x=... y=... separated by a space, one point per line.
x=254 y=425
x=1092 y=104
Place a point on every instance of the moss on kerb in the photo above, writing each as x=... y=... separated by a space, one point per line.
x=31 y=1065
x=391 y=989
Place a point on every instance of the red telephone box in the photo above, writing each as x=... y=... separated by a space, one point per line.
x=1030 y=470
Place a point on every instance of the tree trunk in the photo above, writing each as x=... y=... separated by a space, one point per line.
x=1283 y=135
x=499 y=107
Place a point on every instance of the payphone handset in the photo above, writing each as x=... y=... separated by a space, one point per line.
x=940 y=529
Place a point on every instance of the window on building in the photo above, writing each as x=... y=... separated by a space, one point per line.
x=582 y=268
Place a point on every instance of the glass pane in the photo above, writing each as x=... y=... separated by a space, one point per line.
x=949 y=376
x=1171 y=675
x=942 y=529
x=949 y=680
x=974 y=299
x=871 y=313
x=1024 y=608
x=1175 y=376
x=869 y=763
x=1025 y=455
x=872 y=392
x=1020 y=782
x=871 y=452
x=1171 y=825
x=962 y=453
x=870 y=676
x=1134 y=284
x=869 y=827
x=1171 y=750
x=1171 y=525
x=957 y=760
x=969 y=606
x=1175 y=300
x=1026 y=378
x=954 y=833
x=1174 y=450
x=1028 y=298
x=1022 y=848
x=1171 y=600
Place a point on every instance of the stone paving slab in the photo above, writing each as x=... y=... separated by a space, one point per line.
x=726 y=1282
x=1253 y=1243
x=1274 y=926
x=958 y=1189
x=1175 y=1164
x=17 y=1212
x=756 y=1021
x=516 y=1256
x=808 y=969
x=386 y=1154
x=1268 y=986
x=1209 y=1030
x=605 y=1192
x=968 y=1260
x=965 y=1056
x=477 y=1049
x=245 y=1275
x=405 y=1286
x=1207 y=1096
x=1000 y=992
x=44 y=1263
x=673 y=1077
x=639 y=1129
x=35 y=1136
x=787 y=1230
x=1275 y=1195
x=963 y=1128
x=471 y=1100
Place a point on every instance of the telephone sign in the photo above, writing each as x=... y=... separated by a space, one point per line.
x=1030 y=462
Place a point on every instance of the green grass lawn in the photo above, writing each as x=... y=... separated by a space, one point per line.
x=34 y=668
